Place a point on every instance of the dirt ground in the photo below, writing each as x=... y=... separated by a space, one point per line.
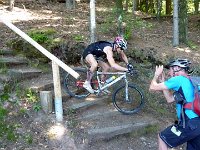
x=37 y=15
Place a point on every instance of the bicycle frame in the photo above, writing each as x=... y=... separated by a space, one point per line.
x=101 y=87
x=127 y=98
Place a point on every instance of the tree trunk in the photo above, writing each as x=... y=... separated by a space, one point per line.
x=175 y=24
x=135 y=5
x=70 y=4
x=11 y=5
x=159 y=9
x=146 y=6
x=196 y=6
x=183 y=21
x=119 y=15
x=92 y=21
x=119 y=5
x=168 y=7
x=151 y=6
x=126 y=6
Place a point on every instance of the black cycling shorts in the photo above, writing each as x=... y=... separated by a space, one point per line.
x=87 y=51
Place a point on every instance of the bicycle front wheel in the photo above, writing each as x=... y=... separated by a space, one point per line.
x=74 y=87
x=128 y=103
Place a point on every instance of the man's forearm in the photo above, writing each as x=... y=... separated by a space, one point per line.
x=154 y=83
x=168 y=95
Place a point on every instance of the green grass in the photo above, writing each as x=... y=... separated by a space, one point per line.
x=150 y=129
x=192 y=45
x=7 y=130
x=3 y=68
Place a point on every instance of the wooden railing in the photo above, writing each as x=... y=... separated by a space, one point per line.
x=55 y=68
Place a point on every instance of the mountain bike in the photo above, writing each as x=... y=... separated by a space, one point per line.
x=127 y=98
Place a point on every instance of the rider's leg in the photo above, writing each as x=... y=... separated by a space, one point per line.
x=93 y=66
x=105 y=68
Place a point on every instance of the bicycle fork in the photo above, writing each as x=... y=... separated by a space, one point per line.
x=127 y=99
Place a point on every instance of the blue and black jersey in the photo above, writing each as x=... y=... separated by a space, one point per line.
x=96 y=49
x=182 y=83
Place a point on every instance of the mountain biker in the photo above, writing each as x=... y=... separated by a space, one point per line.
x=101 y=54
x=182 y=131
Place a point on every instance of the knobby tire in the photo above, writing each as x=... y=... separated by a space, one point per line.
x=135 y=99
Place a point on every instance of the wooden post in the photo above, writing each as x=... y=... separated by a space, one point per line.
x=46 y=101
x=57 y=91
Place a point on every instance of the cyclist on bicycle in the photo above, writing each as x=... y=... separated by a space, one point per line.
x=101 y=53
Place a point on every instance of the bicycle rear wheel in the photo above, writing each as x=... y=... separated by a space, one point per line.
x=74 y=87
x=131 y=105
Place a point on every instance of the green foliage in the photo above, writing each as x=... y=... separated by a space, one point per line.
x=72 y=123
x=128 y=32
x=45 y=37
x=31 y=96
x=109 y=26
x=192 y=45
x=41 y=36
x=150 y=129
x=29 y=138
x=70 y=112
x=6 y=129
x=12 y=136
x=3 y=113
x=4 y=96
x=3 y=68
x=78 y=38
x=37 y=107
x=22 y=111
x=37 y=64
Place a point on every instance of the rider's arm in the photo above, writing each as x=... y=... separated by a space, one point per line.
x=113 y=64
x=124 y=57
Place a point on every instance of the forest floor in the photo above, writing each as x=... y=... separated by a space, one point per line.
x=37 y=126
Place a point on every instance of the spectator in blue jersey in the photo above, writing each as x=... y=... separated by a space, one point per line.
x=187 y=128
x=101 y=54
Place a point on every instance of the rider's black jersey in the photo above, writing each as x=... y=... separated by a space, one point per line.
x=96 y=49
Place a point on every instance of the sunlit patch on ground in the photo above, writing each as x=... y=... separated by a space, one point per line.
x=19 y=14
x=56 y=132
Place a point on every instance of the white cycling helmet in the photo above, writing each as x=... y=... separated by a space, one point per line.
x=182 y=63
x=121 y=42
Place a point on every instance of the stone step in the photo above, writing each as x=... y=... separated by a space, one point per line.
x=105 y=133
x=84 y=103
x=98 y=114
x=23 y=73
x=39 y=83
x=6 y=52
x=4 y=78
x=1 y=87
x=12 y=60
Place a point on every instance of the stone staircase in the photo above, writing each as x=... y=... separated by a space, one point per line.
x=15 y=68
x=98 y=121
x=97 y=118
